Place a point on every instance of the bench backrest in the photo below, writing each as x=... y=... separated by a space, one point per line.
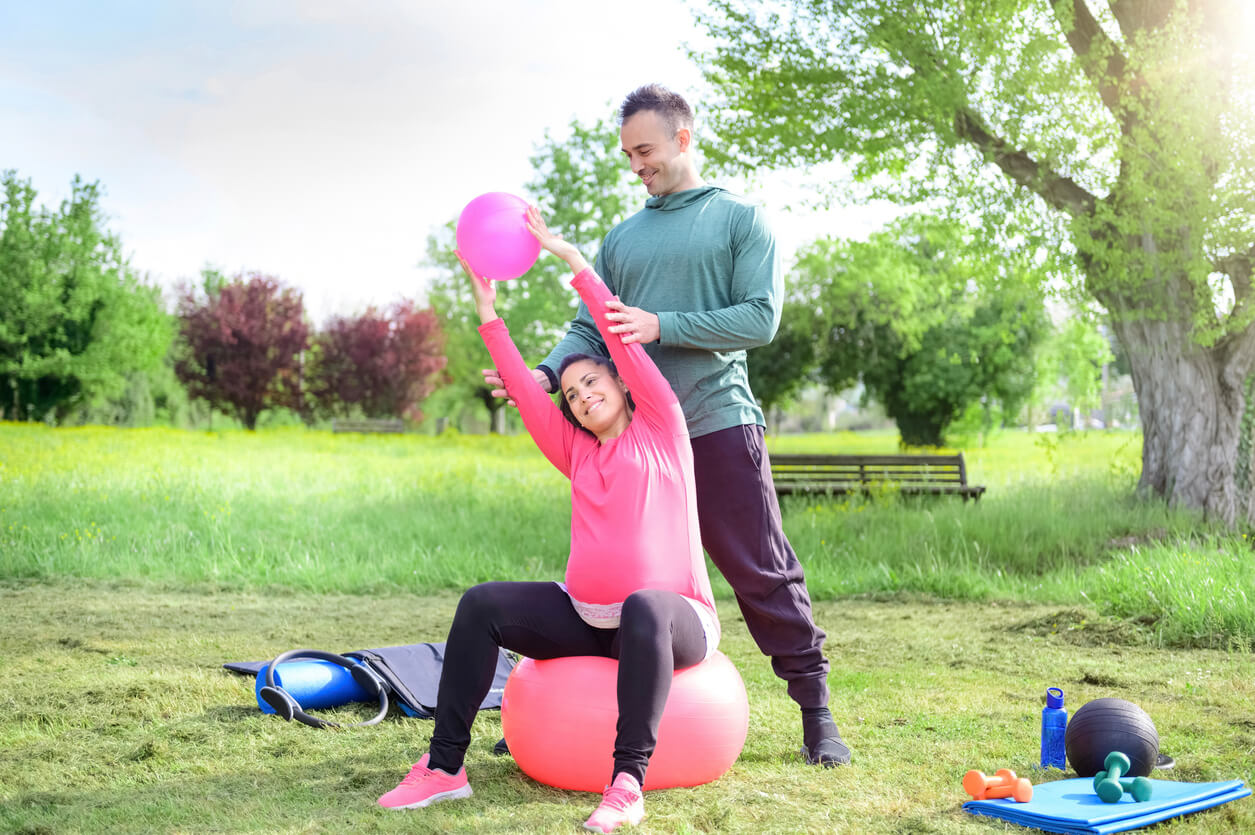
x=864 y=469
x=368 y=425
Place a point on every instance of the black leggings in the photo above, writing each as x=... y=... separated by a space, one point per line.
x=659 y=633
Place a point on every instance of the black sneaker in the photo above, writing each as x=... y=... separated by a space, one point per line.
x=828 y=752
x=501 y=749
x=821 y=741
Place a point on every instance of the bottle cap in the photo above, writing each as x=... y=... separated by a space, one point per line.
x=1054 y=697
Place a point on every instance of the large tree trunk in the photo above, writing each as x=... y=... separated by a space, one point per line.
x=1191 y=402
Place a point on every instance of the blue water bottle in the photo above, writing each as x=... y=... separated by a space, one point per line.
x=1054 y=724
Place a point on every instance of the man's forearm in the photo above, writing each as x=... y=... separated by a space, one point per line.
x=737 y=328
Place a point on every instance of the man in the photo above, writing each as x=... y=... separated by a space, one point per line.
x=698 y=282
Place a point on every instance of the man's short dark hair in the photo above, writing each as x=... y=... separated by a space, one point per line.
x=669 y=105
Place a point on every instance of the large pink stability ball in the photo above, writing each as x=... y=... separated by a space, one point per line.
x=493 y=236
x=559 y=717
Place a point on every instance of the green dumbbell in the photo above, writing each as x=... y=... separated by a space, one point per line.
x=1110 y=785
x=1115 y=766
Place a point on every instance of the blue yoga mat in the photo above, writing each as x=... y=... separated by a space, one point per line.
x=1070 y=806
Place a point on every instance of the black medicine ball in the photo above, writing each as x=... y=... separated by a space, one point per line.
x=1106 y=725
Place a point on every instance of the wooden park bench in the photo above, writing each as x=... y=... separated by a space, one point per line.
x=914 y=475
x=392 y=425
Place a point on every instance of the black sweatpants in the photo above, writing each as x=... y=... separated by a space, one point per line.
x=740 y=524
x=658 y=634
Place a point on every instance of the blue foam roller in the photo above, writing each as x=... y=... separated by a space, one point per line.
x=314 y=683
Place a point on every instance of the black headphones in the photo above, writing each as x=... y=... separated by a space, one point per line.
x=289 y=708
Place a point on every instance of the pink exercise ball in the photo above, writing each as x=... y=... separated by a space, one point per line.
x=558 y=717
x=493 y=236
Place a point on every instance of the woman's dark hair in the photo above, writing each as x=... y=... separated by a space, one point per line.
x=670 y=106
x=567 y=362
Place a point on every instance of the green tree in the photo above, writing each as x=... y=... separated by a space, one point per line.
x=75 y=322
x=1117 y=136
x=1070 y=366
x=780 y=369
x=929 y=318
x=981 y=354
x=583 y=189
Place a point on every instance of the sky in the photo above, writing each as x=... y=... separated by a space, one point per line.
x=322 y=142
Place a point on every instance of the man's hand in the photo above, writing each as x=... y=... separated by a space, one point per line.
x=493 y=378
x=634 y=324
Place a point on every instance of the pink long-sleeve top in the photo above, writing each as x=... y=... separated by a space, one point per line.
x=633 y=502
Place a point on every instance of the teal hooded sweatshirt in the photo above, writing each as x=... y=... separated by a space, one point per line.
x=705 y=262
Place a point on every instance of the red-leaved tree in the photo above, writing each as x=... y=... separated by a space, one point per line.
x=383 y=362
x=243 y=342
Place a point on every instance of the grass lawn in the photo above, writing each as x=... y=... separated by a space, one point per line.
x=118 y=718
x=133 y=563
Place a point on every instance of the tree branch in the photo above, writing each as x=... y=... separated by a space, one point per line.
x=1238 y=346
x=1099 y=55
x=1058 y=191
x=1238 y=266
x=1136 y=16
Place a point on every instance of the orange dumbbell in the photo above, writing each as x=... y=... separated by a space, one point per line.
x=1004 y=783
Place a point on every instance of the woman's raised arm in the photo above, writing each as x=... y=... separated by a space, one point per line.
x=654 y=398
x=544 y=421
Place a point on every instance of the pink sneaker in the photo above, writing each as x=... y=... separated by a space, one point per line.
x=424 y=786
x=621 y=803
